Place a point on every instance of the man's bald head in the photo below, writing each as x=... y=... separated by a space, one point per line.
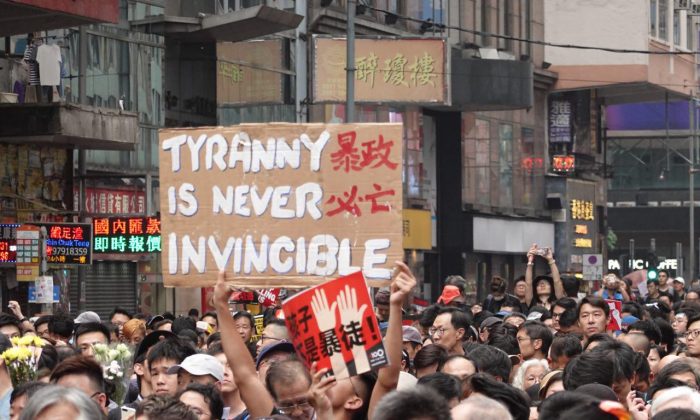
x=639 y=343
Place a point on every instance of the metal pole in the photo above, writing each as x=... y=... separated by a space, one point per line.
x=631 y=261
x=691 y=190
x=350 y=64
x=82 y=94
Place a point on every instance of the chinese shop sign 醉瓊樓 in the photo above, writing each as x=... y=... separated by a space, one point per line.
x=386 y=70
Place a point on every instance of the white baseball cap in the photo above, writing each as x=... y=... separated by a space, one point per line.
x=200 y=365
x=680 y=280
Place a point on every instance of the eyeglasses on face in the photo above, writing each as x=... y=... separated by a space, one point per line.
x=437 y=331
x=691 y=334
x=290 y=408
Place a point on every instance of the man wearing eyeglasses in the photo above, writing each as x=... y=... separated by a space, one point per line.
x=449 y=330
x=289 y=381
x=692 y=337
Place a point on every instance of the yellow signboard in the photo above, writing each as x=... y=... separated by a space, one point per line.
x=386 y=70
x=417 y=229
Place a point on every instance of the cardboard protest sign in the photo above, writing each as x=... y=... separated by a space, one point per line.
x=615 y=323
x=280 y=205
x=334 y=325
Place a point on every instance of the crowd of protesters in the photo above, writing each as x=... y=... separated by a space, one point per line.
x=537 y=350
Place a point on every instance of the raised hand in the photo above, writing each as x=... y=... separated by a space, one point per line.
x=403 y=283
x=221 y=291
x=324 y=313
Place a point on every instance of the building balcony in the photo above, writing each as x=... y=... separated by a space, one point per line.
x=25 y=16
x=206 y=20
x=69 y=125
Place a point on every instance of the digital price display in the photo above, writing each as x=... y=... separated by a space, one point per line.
x=127 y=235
x=68 y=243
x=8 y=243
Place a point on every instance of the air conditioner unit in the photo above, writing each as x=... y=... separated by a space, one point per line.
x=694 y=10
x=681 y=4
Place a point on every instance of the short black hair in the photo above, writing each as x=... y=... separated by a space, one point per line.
x=571 y=285
x=81 y=365
x=596 y=338
x=170 y=348
x=491 y=360
x=641 y=367
x=668 y=336
x=120 y=310
x=588 y=368
x=649 y=329
x=427 y=317
x=566 y=303
x=457 y=281
x=89 y=327
x=44 y=319
x=446 y=385
x=568 y=318
x=430 y=355
x=193 y=312
x=666 y=383
x=622 y=355
x=538 y=331
x=244 y=314
x=458 y=319
x=215 y=349
x=211 y=314
x=567 y=345
x=515 y=400
x=633 y=308
x=596 y=302
x=182 y=323
x=674 y=368
x=417 y=402
x=9 y=319
x=211 y=396
x=61 y=324
x=213 y=339
x=27 y=388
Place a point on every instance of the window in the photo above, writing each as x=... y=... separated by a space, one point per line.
x=526 y=26
x=505 y=134
x=676 y=27
x=663 y=13
x=689 y=29
x=652 y=18
x=505 y=21
x=485 y=24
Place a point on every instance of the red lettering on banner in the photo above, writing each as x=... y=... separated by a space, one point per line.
x=347 y=204
x=376 y=207
x=379 y=151
x=101 y=226
x=347 y=157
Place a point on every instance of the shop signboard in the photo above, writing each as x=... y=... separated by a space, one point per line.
x=8 y=243
x=68 y=243
x=281 y=205
x=28 y=252
x=126 y=235
x=386 y=70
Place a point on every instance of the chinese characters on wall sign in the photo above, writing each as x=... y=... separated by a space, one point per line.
x=8 y=243
x=68 y=243
x=386 y=70
x=127 y=235
x=582 y=210
x=560 y=115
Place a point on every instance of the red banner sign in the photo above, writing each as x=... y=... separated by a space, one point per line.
x=334 y=325
x=111 y=201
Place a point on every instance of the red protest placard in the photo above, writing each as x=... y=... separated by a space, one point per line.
x=615 y=323
x=334 y=325
x=268 y=297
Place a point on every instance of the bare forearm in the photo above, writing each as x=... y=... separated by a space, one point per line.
x=388 y=377
x=253 y=392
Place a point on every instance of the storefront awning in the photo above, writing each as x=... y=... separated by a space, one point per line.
x=75 y=126
x=25 y=16
x=239 y=25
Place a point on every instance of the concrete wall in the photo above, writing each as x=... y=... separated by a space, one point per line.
x=620 y=24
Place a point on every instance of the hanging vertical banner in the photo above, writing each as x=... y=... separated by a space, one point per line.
x=334 y=325
x=560 y=121
x=280 y=205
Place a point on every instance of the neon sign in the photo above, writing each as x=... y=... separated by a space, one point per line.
x=127 y=235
